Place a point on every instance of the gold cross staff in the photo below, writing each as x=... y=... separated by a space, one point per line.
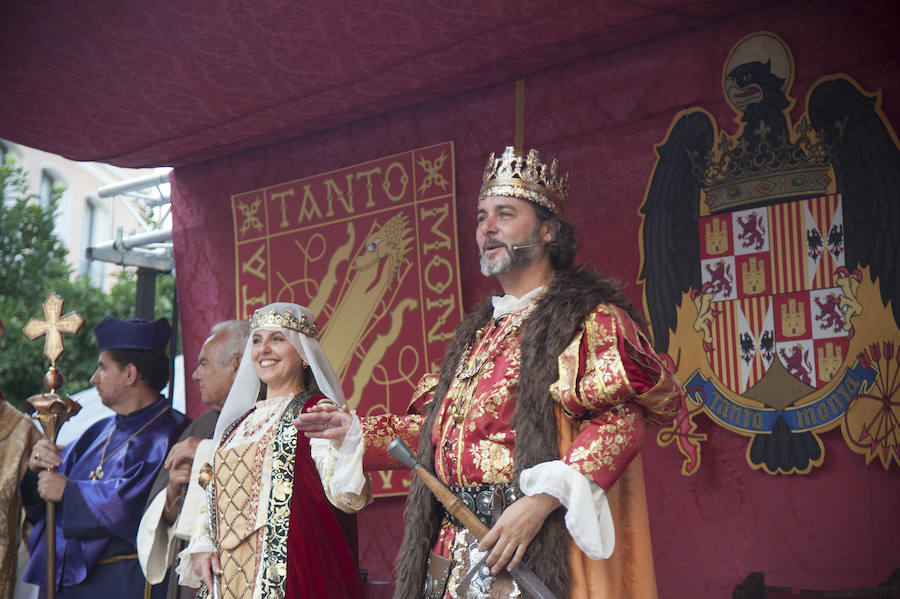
x=51 y=409
x=53 y=326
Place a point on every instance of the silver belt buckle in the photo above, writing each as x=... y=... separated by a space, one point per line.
x=468 y=500
x=484 y=501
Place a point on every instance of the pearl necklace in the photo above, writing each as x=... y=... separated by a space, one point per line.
x=97 y=473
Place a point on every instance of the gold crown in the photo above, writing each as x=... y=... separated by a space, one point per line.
x=526 y=178
x=286 y=320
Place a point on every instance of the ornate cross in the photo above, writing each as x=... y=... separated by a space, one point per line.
x=53 y=326
x=51 y=409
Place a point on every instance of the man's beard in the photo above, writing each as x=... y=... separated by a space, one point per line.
x=512 y=259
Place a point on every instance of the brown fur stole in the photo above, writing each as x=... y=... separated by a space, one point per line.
x=571 y=296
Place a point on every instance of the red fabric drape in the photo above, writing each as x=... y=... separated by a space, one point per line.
x=320 y=562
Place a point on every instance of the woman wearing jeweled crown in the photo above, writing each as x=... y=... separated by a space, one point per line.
x=273 y=533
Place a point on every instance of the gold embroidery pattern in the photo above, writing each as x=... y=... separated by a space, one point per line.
x=17 y=436
x=284 y=449
x=467 y=448
x=425 y=387
x=494 y=460
x=607 y=442
x=477 y=363
x=607 y=381
x=490 y=341
x=380 y=430
x=236 y=505
x=564 y=390
x=237 y=499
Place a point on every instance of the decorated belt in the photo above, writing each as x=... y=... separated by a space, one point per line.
x=487 y=502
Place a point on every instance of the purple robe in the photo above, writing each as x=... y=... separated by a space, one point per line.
x=98 y=519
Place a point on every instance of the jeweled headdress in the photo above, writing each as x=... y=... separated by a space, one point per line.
x=286 y=319
x=526 y=178
x=300 y=333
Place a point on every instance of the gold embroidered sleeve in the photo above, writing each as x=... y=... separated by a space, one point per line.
x=608 y=362
x=613 y=383
x=607 y=444
x=651 y=377
x=423 y=394
x=379 y=431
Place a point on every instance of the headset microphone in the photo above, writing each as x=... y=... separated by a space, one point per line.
x=516 y=248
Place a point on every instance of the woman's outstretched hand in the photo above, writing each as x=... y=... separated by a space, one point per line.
x=324 y=422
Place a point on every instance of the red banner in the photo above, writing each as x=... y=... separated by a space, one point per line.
x=371 y=249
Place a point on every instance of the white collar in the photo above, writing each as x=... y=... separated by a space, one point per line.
x=507 y=304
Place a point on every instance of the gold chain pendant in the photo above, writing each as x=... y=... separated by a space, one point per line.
x=96 y=473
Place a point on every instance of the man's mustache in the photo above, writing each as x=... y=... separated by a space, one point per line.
x=509 y=249
x=492 y=241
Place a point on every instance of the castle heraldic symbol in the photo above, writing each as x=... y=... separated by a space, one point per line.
x=770 y=263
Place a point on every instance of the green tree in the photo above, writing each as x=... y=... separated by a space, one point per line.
x=32 y=265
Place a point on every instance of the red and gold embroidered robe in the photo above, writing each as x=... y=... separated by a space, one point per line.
x=611 y=385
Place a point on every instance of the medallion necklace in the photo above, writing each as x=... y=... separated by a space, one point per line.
x=97 y=473
x=470 y=366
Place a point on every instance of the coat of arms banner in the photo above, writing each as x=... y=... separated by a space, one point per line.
x=770 y=266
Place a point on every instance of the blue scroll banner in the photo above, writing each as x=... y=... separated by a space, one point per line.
x=806 y=417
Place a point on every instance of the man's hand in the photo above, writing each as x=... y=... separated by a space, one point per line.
x=175 y=490
x=179 y=476
x=183 y=451
x=514 y=530
x=325 y=421
x=205 y=564
x=44 y=456
x=51 y=485
x=178 y=463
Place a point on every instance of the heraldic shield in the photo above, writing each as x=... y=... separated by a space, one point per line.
x=770 y=263
x=371 y=250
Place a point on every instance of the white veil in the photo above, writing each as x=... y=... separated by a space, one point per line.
x=245 y=389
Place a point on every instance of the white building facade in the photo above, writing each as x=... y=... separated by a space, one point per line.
x=85 y=219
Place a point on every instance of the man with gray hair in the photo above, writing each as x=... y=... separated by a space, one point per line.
x=164 y=526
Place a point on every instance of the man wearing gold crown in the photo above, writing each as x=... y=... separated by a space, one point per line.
x=538 y=415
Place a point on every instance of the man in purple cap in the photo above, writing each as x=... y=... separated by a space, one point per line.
x=102 y=481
